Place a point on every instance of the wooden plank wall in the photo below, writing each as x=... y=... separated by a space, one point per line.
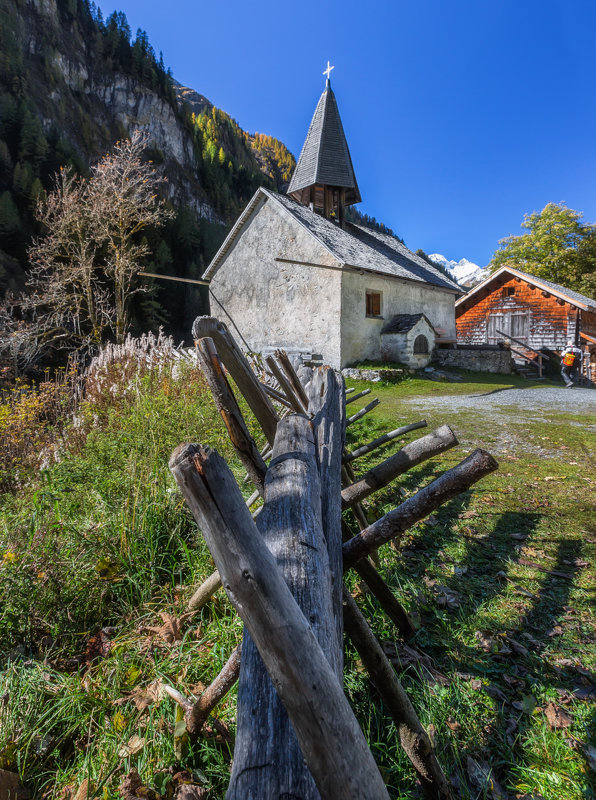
x=550 y=320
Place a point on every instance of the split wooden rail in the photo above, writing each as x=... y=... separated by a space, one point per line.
x=282 y=570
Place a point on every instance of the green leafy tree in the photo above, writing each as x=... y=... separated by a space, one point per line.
x=558 y=247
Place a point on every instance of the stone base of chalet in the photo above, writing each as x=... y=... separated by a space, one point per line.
x=477 y=358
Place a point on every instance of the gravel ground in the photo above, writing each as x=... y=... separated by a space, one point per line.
x=540 y=398
x=531 y=405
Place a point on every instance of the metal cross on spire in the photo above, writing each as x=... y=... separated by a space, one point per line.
x=327 y=71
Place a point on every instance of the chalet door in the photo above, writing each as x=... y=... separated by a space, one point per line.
x=502 y=325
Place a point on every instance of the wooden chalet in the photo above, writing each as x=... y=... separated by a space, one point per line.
x=534 y=314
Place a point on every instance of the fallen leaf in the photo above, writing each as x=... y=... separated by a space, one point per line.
x=119 y=721
x=453 y=724
x=476 y=684
x=107 y=569
x=10 y=786
x=510 y=730
x=487 y=643
x=517 y=647
x=496 y=693
x=98 y=646
x=169 y=631
x=557 y=717
x=585 y=693
x=527 y=704
x=447 y=598
x=143 y=697
x=134 y=745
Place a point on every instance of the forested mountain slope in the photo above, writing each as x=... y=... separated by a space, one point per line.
x=71 y=84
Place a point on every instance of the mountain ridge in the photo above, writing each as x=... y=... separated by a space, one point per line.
x=465 y=272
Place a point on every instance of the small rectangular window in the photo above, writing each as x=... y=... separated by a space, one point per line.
x=508 y=291
x=373 y=304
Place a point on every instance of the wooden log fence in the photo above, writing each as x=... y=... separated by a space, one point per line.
x=282 y=571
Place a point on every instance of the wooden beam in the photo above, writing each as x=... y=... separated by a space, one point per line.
x=226 y=404
x=359 y=414
x=331 y=741
x=172 y=278
x=420 y=505
x=409 y=456
x=387 y=437
x=240 y=370
x=412 y=736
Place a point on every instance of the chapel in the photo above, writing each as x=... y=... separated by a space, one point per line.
x=293 y=273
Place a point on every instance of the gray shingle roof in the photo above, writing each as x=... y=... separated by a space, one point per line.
x=325 y=157
x=575 y=298
x=363 y=248
x=402 y=323
x=356 y=246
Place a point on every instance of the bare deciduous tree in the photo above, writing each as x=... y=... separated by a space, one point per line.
x=125 y=202
x=84 y=266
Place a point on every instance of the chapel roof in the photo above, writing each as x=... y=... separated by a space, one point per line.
x=354 y=247
x=325 y=157
x=574 y=298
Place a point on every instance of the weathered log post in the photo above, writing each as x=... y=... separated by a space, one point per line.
x=326 y=403
x=240 y=370
x=412 y=736
x=230 y=413
x=329 y=736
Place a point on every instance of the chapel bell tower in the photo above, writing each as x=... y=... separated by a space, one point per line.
x=324 y=177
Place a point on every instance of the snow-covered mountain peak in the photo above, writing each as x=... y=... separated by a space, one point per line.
x=463 y=271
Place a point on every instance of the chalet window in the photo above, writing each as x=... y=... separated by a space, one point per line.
x=373 y=304
x=508 y=291
x=421 y=344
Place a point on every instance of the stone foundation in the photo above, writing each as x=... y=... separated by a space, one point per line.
x=477 y=359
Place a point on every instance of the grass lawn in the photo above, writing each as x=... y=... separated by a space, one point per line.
x=501 y=581
x=98 y=557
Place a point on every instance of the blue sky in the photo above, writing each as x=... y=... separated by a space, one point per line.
x=461 y=116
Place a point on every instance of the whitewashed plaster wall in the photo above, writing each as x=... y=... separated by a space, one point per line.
x=399 y=347
x=360 y=335
x=276 y=304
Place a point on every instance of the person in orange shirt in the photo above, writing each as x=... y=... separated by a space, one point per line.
x=571 y=359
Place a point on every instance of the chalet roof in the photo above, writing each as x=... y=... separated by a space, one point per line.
x=573 y=298
x=325 y=157
x=402 y=323
x=355 y=247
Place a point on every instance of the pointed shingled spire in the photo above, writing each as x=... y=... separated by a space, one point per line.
x=325 y=165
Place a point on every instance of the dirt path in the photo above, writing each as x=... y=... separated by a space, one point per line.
x=541 y=398
x=503 y=413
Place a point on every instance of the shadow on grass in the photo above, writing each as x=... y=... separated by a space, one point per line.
x=513 y=664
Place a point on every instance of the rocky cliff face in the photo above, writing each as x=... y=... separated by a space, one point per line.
x=93 y=105
x=71 y=84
